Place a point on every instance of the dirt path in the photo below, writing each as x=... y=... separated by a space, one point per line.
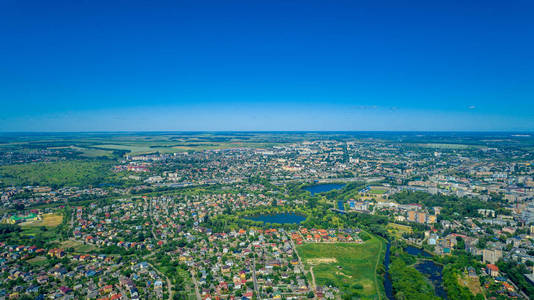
x=376 y=270
x=313 y=280
x=169 y=285
x=302 y=266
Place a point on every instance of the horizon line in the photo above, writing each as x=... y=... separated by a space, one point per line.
x=275 y=131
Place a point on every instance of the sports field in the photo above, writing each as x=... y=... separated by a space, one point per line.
x=351 y=267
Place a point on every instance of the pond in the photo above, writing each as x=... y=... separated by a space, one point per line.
x=321 y=188
x=433 y=272
x=416 y=251
x=282 y=218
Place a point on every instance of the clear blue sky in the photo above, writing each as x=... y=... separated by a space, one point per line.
x=266 y=65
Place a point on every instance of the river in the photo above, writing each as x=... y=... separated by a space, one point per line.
x=388 y=285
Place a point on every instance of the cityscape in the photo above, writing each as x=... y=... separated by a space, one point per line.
x=267 y=215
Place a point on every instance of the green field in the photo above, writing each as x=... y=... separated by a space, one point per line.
x=173 y=147
x=351 y=267
x=79 y=247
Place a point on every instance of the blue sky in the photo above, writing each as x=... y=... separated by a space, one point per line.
x=266 y=65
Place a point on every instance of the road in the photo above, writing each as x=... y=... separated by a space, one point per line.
x=197 y=292
x=302 y=266
x=149 y=204
x=314 y=286
x=72 y=218
x=169 y=285
x=329 y=180
x=256 y=291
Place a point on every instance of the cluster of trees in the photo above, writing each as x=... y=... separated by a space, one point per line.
x=402 y=273
x=8 y=228
x=454 y=290
x=375 y=224
x=515 y=271
x=177 y=273
x=57 y=174
x=453 y=207
x=408 y=283
x=454 y=265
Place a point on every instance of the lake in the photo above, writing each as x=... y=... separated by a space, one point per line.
x=283 y=218
x=321 y=188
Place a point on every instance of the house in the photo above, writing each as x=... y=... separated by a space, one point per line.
x=492 y=270
x=56 y=252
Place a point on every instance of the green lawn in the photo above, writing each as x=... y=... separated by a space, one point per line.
x=350 y=267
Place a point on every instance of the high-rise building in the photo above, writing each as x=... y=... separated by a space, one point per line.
x=412 y=215
x=491 y=256
x=421 y=217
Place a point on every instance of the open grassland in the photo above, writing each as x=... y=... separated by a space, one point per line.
x=398 y=229
x=78 y=246
x=351 y=267
x=38 y=260
x=172 y=147
x=133 y=148
x=47 y=220
x=93 y=152
x=45 y=228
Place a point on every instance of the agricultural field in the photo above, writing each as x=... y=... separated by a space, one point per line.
x=93 y=152
x=172 y=147
x=398 y=229
x=350 y=267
